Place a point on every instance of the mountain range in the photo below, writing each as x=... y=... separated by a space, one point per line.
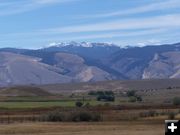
x=87 y=62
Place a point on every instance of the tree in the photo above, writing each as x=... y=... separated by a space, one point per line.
x=131 y=93
x=132 y=99
x=100 y=93
x=176 y=101
x=106 y=98
x=92 y=93
x=110 y=93
x=79 y=104
x=139 y=98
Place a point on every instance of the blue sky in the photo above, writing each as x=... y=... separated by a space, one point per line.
x=39 y=23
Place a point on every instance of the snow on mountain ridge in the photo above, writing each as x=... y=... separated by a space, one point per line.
x=80 y=44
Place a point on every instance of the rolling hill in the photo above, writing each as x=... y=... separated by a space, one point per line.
x=23 y=91
x=121 y=85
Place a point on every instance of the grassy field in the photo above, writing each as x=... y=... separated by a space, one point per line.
x=21 y=105
x=21 y=113
x=102 y=128
x=25 y=105
x=151 y=91
x=47 y=102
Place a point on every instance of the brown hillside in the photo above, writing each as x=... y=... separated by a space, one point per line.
x=23 y=91
x=114 y=85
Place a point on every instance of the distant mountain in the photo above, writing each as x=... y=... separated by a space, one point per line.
x=86 y=50
x=16 y=69
x=87 y=62
x=133 y=61
x=164 y=65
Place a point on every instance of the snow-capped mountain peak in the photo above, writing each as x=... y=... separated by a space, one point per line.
x=79 y=44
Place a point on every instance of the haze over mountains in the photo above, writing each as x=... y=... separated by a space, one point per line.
x=87 y=62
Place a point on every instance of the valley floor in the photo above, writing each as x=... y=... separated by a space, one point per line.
x=154 y=127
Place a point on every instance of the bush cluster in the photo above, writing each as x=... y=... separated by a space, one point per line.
x=77 y=116
x=105 y=98
x=54 y=116
x=103 y=95
x=171 y=115
x=131 y=93
x=79 y=104
x=133 y=97
x=151 y=113
x=97 y=93
x=85 y=117
x=176 y=101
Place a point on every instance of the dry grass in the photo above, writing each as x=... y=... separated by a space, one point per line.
x=113 y=85
x=105 y=128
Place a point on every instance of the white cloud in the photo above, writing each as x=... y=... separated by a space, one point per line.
x=6 y=4
x=165 y=21
x=117 y=34
x=11 y=8
x=156 y=6
x=51 y=1
x=113 y=29
x=45 y=1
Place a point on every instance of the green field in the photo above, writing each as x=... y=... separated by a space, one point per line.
x=11 y=105
x=24 y=105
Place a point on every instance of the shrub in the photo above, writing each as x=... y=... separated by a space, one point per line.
x=171 y=116
x=85 y=117
x=79 y=104
x=77 y=116
x=131 y=93
x=150 y=113
x=139 y=98
x=105 y=98
x=110 y=98
x=143 y=114
x=110 y=93
x=92 y=93
x=132 y=99
x=96 y=117
x=100 y=93
x=82 y=116
x=54 y=116
x=169 y=87
x=176 y=101
x=87 y=105
x=107 y=104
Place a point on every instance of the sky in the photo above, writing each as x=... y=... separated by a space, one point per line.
x=39 y=23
